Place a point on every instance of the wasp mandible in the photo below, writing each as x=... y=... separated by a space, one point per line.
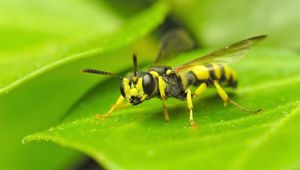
x=166 y=82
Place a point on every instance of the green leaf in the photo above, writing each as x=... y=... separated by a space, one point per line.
x=50 y=98
x=214 y=23
x=138 y=138
x=37 y=36
x=48 y=36
x=28 y=31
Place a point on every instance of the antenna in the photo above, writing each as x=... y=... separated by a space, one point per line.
x=134 y=58
x=100 y=72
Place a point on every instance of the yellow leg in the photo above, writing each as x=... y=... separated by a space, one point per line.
x=221 y=92
x=190 y=106
x=200 y=89
x=112 y=109
x=228 y=100
x=162 y=86
x=165 y=111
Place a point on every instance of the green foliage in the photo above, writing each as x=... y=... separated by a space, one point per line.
x=37 y=38
x=215 y=23
x=137 y=137
x=58 y=49
x=44 y=44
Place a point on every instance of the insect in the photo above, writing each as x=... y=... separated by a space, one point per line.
x=164 y=82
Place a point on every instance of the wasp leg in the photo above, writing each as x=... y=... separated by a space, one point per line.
x=190 y=106
x=202 y=87
x=162 y=86
x=112 y=109
x=165 y=111
x=228 y=100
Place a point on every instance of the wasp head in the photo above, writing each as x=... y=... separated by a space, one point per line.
x=137 y=88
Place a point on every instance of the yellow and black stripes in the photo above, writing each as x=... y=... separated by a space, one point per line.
x=209 y=73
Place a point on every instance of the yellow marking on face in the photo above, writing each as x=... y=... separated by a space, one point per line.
x=126 y=86
x=134 y=90
x=134 y=78
x=139 y=85
x=132 y=85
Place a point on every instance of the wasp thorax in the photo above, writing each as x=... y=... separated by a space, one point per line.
x=136 y=89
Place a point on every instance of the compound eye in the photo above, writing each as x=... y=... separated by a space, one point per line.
x=122 y=89
x=148 y=83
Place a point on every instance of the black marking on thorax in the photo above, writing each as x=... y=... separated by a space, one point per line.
x=161 y=70
x=173 y=81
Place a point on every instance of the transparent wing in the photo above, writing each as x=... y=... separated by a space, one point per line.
x=226 y=55
x=173 y=43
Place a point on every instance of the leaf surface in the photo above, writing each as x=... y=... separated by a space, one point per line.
x=138 y=138
x=63 y=39
x=39 y=36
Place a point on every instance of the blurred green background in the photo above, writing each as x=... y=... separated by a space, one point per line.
x=44 y=44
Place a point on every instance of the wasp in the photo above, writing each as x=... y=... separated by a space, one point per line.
x=160 y=81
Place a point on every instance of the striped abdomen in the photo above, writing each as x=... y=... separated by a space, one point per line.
x=209 y=72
